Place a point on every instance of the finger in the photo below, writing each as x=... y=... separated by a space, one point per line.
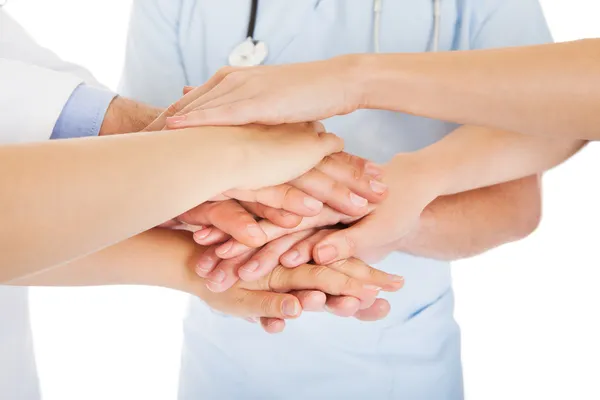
x=249 y=303
x=281 y=218
x=373 y=277
x=210 y=235
x=267 y=258
x=328 y=190
x=189 y=96
x=342 y=306
x=284 y=197
x=235 y=112
x=314 y=277
x=311 y=300
x=349 y=171
x=379 y=310
x=346 y=243
x=207 y=261
x=225 y=273
x=360 y=164
x=301 y=252
x=272 y=325
x=330 y=143
x=187 y=89
x=231 y=218
x=327 y=217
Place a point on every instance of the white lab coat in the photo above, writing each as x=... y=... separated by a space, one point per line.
x=35 y=85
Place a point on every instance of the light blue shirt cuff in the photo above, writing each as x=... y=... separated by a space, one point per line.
x=83 y=114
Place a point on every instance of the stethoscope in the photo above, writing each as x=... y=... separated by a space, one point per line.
x=252 y=52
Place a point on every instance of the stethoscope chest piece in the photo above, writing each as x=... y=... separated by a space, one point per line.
x=249 y=53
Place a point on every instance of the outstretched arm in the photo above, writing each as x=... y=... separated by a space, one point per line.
x=546 y=90
x=103 y=190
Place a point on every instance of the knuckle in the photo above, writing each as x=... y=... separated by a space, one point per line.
x=326 y=162
x=350 y=243
x=268 y=304
x=224 y=71
x=173 y=109
x=233 y=78
x=276 y=279
x=357 y=174
x=286 y=193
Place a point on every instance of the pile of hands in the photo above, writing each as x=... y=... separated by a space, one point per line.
x=306 y=241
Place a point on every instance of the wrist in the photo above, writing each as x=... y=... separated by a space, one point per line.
x=385 y=81
x=431 y=181
x=126 y=116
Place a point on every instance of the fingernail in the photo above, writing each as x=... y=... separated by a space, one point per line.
x=372 y=287
x=313 y=204
x=396 y=278
x=326 y=253
x=176 y=120
x=251 y=266
x=292 y=256
x=217 y=277
x=358 y=201
x=202 y=233
x=373 y=170
x=254 y=230
x=378 y=187
x=224 y=249
x=290 y=308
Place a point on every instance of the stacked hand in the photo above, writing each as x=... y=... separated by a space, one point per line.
x=371 y=237
x=284 y=293
x=372 y=229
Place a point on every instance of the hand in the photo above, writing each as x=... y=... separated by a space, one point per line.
x=249 y=263
x=125 y=116
x=376 y=235
x=269 y=156
x=344 y=182
x=270 y=95
x=284 y=205
x=256 y=299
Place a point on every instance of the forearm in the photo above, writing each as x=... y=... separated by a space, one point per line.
x=119 y=185
x=548 y=90
x=473 y=157
x=158 y=257
x=470 y=223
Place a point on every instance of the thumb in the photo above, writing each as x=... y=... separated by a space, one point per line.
x=330 y=143
x=349 y=242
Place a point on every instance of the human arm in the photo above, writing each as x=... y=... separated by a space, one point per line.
x=167 y=172
x=163 y=258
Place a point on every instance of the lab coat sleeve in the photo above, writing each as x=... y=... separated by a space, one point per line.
x=153 y=53
x=17 y=44
x=31 y=100
x=505 y=23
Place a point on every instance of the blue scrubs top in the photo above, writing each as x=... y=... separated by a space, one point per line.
x=415 y=352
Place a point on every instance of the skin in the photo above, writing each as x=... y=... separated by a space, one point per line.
x=84 y=190
x=162 y=258
x=398 y=82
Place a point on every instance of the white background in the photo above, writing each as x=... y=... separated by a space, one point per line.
x=528 y=311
